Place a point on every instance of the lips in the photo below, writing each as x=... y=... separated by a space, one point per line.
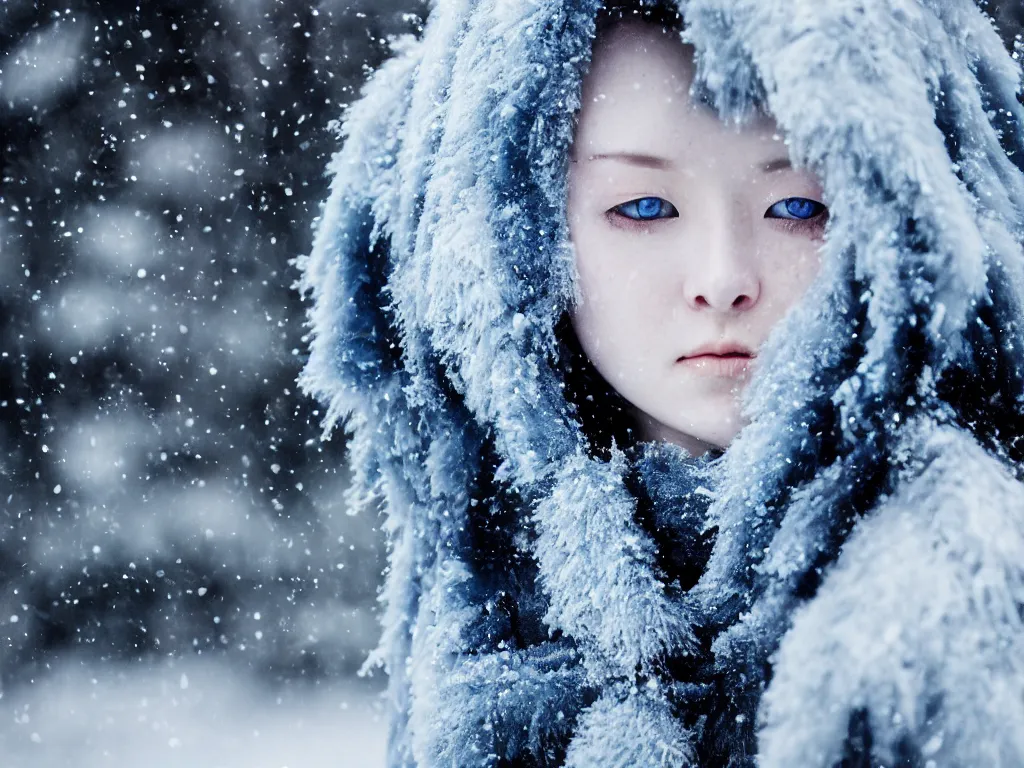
x=729 y=359
x=720 y=349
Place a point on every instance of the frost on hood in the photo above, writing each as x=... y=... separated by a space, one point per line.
x=529 y=616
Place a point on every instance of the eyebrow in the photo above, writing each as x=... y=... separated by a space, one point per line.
x=663 y=164
x=779 y=164
x=638 y=159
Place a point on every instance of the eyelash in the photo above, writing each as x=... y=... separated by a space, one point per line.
x=793 y=223
x=671 y=212
x=776 y=212
x=621 y=219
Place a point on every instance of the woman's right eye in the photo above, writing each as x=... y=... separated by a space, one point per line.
x=647 y=209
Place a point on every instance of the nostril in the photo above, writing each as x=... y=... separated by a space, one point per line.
x=743 y=301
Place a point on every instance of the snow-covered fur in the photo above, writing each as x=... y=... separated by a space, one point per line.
x=844 y=585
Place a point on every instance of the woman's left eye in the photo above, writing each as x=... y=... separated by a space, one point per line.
x=647 y=209
x=799 y=208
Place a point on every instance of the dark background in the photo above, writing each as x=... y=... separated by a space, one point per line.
x=163 y=488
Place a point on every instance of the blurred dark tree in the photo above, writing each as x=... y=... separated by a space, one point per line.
x=163 y=487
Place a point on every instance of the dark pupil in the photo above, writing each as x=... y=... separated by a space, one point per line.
x=649 y=207
x=802 y=209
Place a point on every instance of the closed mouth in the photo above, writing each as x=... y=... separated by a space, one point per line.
x=724 y=356
x=718 y=364
x=727 y=354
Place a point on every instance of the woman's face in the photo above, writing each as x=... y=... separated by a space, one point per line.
x=692 y=238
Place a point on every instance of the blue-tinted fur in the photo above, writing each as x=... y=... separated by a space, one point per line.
x=843 y=586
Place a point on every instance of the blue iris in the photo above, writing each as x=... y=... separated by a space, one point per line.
x=795 y=208
x=647 y=208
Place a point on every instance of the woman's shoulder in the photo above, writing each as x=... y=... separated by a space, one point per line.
x=947 y=463
x=914 y=633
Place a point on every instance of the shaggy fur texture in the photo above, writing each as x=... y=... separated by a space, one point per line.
x=844 y=585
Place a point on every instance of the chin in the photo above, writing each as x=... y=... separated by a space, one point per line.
x=716 y=430
x=707 y=423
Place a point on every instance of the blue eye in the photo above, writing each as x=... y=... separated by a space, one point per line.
x=795 y=208
x=647 y=209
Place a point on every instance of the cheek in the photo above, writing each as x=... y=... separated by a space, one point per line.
x=792 y=267
x=613 y=318
x=598 y=299
x=598 y=266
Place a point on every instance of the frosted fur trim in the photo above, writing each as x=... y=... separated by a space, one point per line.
x=630 y=728
x=504 y=706
x=471 y=280
x=598 y=567
x=918 y=623
x=346 y=364
x=435 y=648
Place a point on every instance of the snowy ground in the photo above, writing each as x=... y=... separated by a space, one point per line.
x=185 y=714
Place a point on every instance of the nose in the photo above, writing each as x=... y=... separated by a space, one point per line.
x=726 y=279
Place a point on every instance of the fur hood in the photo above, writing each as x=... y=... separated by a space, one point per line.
x=844 y=585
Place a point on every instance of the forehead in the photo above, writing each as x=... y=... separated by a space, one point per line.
x=636 y=97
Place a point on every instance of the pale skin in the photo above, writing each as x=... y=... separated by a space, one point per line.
x=690 y=237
